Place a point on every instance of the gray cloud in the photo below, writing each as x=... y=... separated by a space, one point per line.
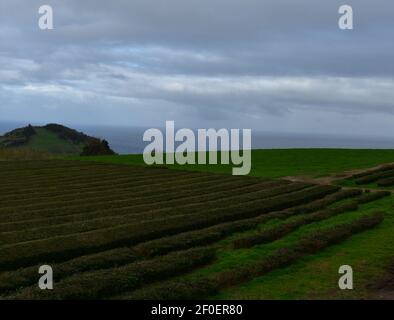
x=275 y=65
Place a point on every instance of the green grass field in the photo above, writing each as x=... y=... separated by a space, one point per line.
x=316 y=276
x=48 y=141
x=283 y=162
x=113 y=228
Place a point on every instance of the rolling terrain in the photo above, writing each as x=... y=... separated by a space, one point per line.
x=381 y=177
x=114 y=231
x=278 y=163
x=51 y=139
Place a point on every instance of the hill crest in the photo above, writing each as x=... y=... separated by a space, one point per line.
x=55 y=139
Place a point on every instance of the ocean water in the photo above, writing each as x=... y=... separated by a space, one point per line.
x=129 y=140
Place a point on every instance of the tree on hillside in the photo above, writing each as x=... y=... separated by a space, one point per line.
x=97 y=147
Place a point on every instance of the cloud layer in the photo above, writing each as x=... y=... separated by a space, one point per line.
x=270 y=65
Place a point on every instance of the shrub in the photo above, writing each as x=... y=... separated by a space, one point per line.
x=386 y=182
x=103 y=283
x=375 y=176
x=97 y=148
x=281 y=230
x=323 y=238
x=202 y=287
x=215 y=233
x=326 y=201
x=15 y=279
x=70 y=246
x=373 y=171
x=372 y=196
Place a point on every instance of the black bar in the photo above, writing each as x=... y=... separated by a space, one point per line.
x=196 y=309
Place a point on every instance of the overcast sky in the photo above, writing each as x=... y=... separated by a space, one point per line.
x=270 y=65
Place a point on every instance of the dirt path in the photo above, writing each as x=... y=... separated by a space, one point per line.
x=332 y=179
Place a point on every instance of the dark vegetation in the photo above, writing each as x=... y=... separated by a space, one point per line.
x=388 y=182
x=198 y=288
x=111 y=230
x=97 y=147
x=277 y=232
x=17 y=137
x=103 y=283
x=382 y=177
x=65 y=133
x=374 y=177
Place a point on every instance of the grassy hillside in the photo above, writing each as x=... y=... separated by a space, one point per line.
x=53 y=139
x=286 y=162
x=130 y=232
x=48 y=141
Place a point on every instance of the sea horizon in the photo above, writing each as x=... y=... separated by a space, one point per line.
x=128 y=140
